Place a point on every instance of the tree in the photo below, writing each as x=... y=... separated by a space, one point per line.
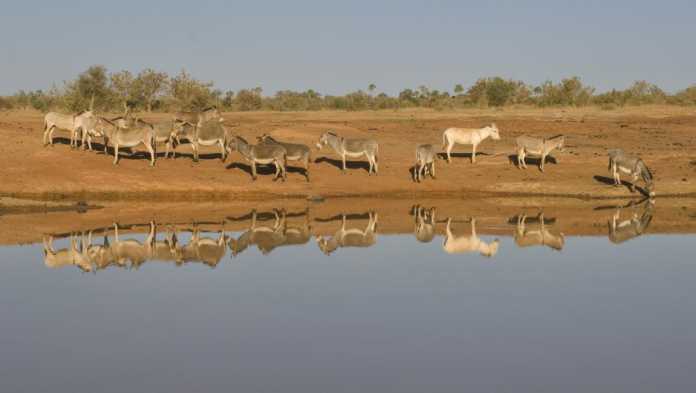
x=371 y=88
x=458 y=89
x=122 y=87
x=249 y=99
x=90 y=88
x=189 y=93
x=149 y=85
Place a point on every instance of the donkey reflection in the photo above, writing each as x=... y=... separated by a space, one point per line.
x=623 y=230
x=350 y=237
x=424 y=229
x=205 y=250
x=74 y=255
x=269 y=237
x=454 y=244
x=539 y=236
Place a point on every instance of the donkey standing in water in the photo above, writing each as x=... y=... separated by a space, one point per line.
x=263 y=153
x=294 y=151
x=425 y=162
x=527 y=145
x=468 y=136
x=351 y=148
x=632 y=165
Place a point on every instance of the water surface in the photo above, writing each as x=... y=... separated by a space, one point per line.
x=260 y=304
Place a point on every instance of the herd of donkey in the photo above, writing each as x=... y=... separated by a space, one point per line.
x=205 y=128
x=273 y=229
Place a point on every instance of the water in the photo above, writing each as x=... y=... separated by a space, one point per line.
x=397 y=315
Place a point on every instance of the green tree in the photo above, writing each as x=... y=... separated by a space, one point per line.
x=150 y=84
x=122 y=87
x=189 y=93
x=91 y=90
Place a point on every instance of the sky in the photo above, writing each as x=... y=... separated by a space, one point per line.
x=335 y=47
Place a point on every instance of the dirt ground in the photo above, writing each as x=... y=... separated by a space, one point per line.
x=663 y=136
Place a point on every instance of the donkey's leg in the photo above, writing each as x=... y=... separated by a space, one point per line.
x=473 y=153
x=343 y=159
x=149 y=148
x=450 y=145
x=223 y=151
x=432 y=169
x=194 y=149
x=276 y=163
x=47 y=129
x=541 y=163
x=116 y=154
x=50 y=135
x=253 y=170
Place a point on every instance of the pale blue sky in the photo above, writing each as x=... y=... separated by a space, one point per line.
x=335 y=47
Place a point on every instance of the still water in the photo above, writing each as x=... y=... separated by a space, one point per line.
x=269 y=305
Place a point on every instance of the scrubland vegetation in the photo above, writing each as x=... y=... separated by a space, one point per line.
x=150 y=90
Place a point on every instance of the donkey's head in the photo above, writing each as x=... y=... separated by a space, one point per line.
x=495 y=135
x=324 y=139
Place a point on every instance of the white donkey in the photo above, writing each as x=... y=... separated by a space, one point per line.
x=454 y=244
x=468 y=136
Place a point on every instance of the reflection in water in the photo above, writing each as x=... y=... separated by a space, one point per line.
x=454 y=244
x=623 y=230
x=206 y=250
x=425 y=223
x=540 y=235
x=268 y=230
x=267 y=238
x=74 y=255
x=350 y=237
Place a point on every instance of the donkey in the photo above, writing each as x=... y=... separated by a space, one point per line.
x=623 y=230
x=129 y=250
x=619 y=162
x=542 y=236
x=351 y=148
x=197 y=118
x=352 y=237
x=425 y=162
x=263 y=153
x=207 y=133
x=166 y=132
x=75 y=255
x=294 y=151
x=88 y=129
x=83 y=124
x=206 y=250
x=265 y=237
x=468 y=136
x=424 y=223
x=55 y=120
x=461 y=244
x=128 y=137
x=527 y=145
